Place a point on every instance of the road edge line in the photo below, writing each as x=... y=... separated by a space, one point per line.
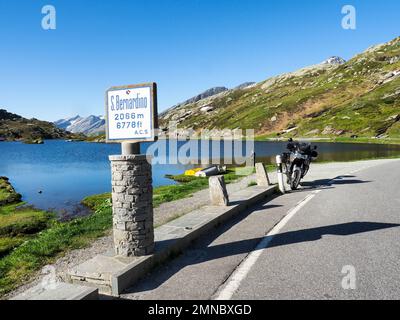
x=241 y=272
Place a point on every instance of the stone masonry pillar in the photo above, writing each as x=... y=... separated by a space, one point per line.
x=132 y=202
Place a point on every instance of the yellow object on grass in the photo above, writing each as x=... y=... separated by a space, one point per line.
x=192 y=172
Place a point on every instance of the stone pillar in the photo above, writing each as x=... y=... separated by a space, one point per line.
x=218 y=193
x=132 y=198
x=262 y=175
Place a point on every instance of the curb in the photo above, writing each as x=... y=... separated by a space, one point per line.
x=113 y=274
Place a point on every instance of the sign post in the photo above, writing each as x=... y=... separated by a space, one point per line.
x=131 y=118
x=131 y=114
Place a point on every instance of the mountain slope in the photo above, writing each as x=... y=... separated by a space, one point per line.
x=91 y=125
x=204 y=95
x=15 y=127
x=65 y=123
x=360 y=97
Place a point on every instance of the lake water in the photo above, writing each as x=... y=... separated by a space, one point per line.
x=66 y=172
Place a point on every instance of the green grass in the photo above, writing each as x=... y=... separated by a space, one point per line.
x=4 y=194
x=16 y=220
x=28 y=253
x=7 y=192
x=48 y=245
x=7 y=244
x=179 y=191
x=189 y=185
x=15 y=230
x=93 y=202
x=18 y=224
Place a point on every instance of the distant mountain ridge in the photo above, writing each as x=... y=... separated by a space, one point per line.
x=16 y=127
x=91 y=125
x=65 y=123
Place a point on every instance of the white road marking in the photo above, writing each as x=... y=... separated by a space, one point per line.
x=245 y=266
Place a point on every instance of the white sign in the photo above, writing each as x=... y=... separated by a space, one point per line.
x=131 y=113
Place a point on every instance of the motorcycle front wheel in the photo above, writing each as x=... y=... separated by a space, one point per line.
x=295 y=180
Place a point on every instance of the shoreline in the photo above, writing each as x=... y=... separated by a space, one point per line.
x=360 y=140
x=261 y=138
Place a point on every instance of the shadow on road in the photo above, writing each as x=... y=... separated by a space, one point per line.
x=203 y=252
x=314 y=234
x=199 y=251
x=329 y=183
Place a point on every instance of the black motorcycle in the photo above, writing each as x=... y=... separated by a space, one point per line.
x=296 y=162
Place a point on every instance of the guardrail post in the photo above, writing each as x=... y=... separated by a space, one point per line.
x=262 y=176
x=280 y=173
x=218 y=194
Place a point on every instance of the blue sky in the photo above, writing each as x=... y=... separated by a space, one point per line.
x=186 y=46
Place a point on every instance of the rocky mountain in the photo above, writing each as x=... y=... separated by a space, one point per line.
x=15 y=127
x=205 y=94
x=91 y=125
x=335 y=98
x=334 y=61
x=244 y=85
x=208 y=93
x=65 y=123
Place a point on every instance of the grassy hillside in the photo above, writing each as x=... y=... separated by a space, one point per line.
x=358 y=98
x=14 y=127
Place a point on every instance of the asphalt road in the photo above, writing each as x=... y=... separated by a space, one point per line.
x=337 y=239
